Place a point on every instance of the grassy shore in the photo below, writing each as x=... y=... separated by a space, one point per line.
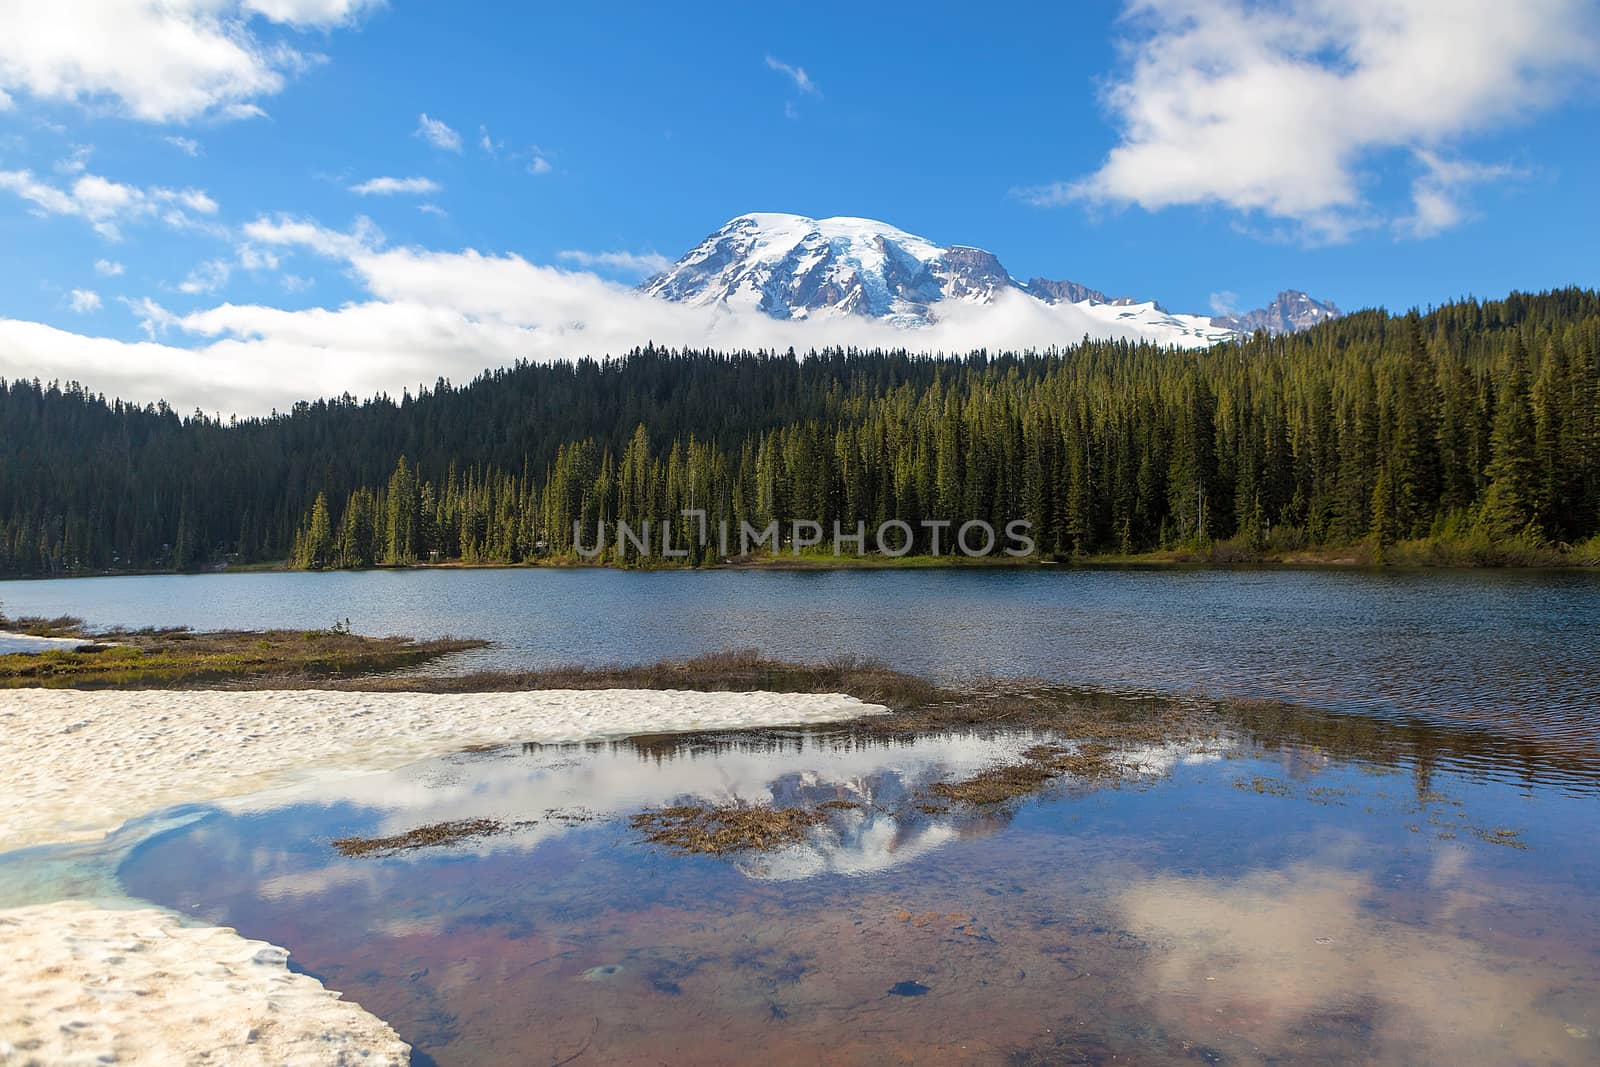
x=1456 y=549
x=1466 y=550
x=176 y=657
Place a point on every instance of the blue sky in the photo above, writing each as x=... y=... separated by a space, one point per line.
x=1368 y=153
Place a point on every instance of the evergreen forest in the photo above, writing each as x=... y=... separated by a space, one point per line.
x=1476 y=423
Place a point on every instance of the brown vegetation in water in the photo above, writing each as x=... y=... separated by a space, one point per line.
x=1043 y=763
x=996 y=784
x=716 y=831
x=733 y=671
x=439 y=833
x=39 y=626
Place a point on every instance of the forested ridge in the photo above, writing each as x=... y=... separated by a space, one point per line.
x=1477 y=421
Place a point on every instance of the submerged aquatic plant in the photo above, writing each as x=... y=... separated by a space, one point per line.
x=716 y=831
x=435 y=834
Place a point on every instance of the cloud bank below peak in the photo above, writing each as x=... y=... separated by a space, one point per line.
x=425 y=314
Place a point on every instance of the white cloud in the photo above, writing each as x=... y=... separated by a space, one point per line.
x=1436 y=194
x=487 y=143
x=242 y=112
x=539 y=164
x=425 y=313
x=1281 y=109
x=1225 y=303
x=802 y=80
x=77 y=162
x=6 y=103
x=47 y=199
x=187 y=145
x=313 y=14
x=100 y=198
x=256 y=259
x=105 y=204
x=432 y=209
x=160 y=60
x=208 y=277
x=97 y=200
x=437 y=134
x=286 y=231
x=83 y=301
x=626 y=262
x=153 y=318
x=392 y=186
x=107 y=268
x=193 y=199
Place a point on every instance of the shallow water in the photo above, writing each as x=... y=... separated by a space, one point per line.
x=1232 y=903
x=1518 y=650
x=1407 y=878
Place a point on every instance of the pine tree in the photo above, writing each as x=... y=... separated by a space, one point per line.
x=1511 y=497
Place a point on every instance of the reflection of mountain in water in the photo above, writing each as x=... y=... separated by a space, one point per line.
x=890 y=824
x=1566 y=758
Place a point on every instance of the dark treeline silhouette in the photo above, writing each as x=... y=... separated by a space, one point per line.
x=1478 y=419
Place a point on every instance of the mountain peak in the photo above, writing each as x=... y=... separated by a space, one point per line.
x=796 y=267
x=1292 y=311
x=792 y=267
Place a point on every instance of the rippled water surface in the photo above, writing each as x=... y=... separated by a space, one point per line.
x=1518 y=649
x=1395 y=867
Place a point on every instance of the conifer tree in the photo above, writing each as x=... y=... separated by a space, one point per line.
x=1511 y=497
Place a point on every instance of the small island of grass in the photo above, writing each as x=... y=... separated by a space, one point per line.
x=180 y=656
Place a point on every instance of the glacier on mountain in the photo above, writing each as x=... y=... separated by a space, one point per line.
x=790 y=267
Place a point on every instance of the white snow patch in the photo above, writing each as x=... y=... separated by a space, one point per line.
x=89 y=985
x=10 y=643
x=82 y=763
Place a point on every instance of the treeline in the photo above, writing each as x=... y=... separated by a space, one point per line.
x=1477 y=419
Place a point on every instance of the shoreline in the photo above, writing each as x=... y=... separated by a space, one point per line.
x=1422 y=556
x=89 y=761
x=220 y=746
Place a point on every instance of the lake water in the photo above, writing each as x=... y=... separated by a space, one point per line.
x=1517 y=651
x=1397 y=867
x=1232 y=904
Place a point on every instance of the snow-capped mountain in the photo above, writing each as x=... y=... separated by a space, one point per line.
x=1291 y=312
x=792 y=267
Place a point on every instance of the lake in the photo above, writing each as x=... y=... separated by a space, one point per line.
x=1515 y=650
x=1384 y=856
x=1232 y=903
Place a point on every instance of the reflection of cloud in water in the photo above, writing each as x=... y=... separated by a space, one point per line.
x=616 y=780
x=855 y=843
x=609 y=781
x=369 y=878
x=1274 y=955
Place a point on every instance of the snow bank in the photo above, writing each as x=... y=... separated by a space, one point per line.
x=28 y=643
x=90 y=985
x=79 y=764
